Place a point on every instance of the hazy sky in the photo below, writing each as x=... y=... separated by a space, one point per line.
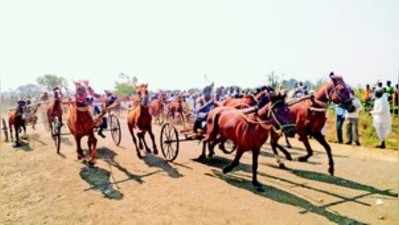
x=172 y=43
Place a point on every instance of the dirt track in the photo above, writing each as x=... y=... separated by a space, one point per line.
x=37 y=186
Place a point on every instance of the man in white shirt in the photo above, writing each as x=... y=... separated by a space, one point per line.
x=382 y=120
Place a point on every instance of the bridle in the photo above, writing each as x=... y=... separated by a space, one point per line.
x=272 y=115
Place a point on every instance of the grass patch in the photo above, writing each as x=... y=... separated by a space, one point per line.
x=367 y=134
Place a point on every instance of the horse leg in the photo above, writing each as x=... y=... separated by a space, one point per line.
x=203 y=154
x=287 y=142
x=93 y=149
x=24 y=127
x=255 y=156
x=135 y=142
x=154 y=145
x=280 y=164
x=10 y=126
x=320 y=138
x=211 y=147
x=16 y=129
x=79 y=147
x=274 y=143
x=142 y=136
x=309 y=150
x=235 y=162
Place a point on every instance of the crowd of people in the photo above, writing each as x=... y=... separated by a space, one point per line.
x=380 y=101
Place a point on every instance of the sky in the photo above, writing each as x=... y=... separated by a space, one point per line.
x=173 y=43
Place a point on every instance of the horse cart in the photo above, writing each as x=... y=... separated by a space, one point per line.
x=113 y=127
x=172 y=134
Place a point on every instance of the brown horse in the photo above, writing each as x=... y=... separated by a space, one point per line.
x=310 y=115
x=248 y=132
x=141 y=119
x=157 y=107
x=55 y=109
x=176 y=107
x=81 y=124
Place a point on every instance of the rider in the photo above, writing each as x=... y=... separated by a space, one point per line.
x=203 y=110
x=300 y=90
x=110 y=99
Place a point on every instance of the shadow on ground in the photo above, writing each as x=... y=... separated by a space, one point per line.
x=287 y=198
x=158 y=162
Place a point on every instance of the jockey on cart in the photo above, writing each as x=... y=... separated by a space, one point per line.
x=110 y=99
x=300 y=90
x=201 y=113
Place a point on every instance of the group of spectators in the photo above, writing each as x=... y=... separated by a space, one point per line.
x=380 y=101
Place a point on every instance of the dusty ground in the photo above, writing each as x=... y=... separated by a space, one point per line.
x=37 y=186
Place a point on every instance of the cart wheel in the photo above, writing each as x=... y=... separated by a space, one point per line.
x=228 y=147
x=56 y=133
x=169 y=142
x=115 y=129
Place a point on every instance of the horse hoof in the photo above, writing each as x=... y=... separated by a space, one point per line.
x=331 y=171
x=289 y=158
x=80 y=157
x=226 y=170
x=256 y=184
x=155 y=152
x=140 y=156
x=201 y=158
x=282 y=166
x=303 y=159
x=91 y=164
x=210 y=155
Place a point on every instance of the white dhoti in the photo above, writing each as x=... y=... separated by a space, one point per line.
x=382 y=120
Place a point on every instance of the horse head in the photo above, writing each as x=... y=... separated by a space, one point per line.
x=57 y=93
x=338 y=92
x=142 y=92
x=278 y=113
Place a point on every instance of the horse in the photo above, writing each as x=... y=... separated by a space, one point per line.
x=140 y=117
x=309 y=114
x=17 y=121
x=248 y=132
x=81 y=123
x=176 y=107
x=55 y=108
x=157 y=107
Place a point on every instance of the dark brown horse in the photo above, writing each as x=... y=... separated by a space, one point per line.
x=141 y=119
x=310 y=116
x=17 y=121
x=248 y=132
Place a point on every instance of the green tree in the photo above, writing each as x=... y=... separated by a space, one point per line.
x=50 y=81
x=126 y=86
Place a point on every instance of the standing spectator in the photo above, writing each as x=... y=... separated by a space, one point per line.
x=367 y=95
x=389 y=91
x=340 y=113
x=353 y=121
x=382 y=120
x=396 y=100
